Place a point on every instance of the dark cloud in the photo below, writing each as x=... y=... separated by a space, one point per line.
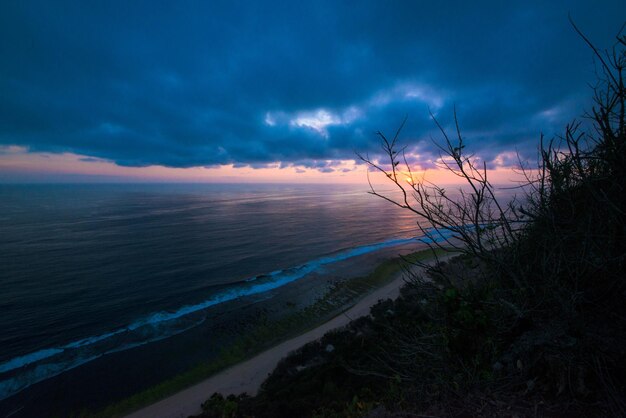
x=90 y=159
x=206 y=83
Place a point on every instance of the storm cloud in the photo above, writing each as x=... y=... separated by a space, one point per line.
x=185 y=84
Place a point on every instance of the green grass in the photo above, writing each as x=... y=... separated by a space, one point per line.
x=266 y=334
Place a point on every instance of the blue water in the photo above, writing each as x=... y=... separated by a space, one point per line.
x=87 y=270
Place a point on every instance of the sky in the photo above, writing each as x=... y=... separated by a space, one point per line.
x=222 y=91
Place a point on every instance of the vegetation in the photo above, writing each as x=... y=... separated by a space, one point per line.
x=528 y=320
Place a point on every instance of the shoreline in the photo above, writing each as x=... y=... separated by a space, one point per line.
x=234 y=333
x=248 y=375
x=246 y=287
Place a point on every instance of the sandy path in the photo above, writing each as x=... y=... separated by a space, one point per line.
x=248 y=376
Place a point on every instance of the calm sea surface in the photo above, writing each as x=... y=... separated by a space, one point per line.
x=87 y=270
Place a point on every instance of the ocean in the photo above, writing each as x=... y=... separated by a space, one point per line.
x=87 y=270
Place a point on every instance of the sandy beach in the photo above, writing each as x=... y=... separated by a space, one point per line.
x=248 y=376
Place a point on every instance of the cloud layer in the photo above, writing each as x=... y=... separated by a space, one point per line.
x=185 y=84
